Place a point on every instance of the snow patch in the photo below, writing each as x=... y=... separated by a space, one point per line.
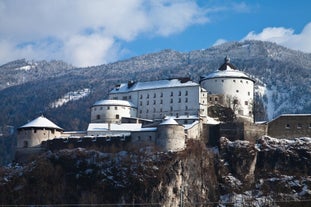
x=70 y=96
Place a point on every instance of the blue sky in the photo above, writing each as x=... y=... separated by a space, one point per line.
x=94 y=32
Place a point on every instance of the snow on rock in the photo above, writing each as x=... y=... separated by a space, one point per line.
x=70 y=96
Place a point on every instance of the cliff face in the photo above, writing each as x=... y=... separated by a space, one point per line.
x=271 y=172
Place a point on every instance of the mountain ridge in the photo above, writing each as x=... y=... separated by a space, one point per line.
x=283 y=73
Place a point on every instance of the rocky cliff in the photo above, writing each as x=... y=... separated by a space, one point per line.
x=271 y=172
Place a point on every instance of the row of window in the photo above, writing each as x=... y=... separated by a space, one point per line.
x=161 y=94
x=109 y=107
x=234 y=81
x=161 y=110
x=161 y=101
x=98 y=116
x=298 y=126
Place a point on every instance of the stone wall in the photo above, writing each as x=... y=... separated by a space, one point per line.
x=290 y=126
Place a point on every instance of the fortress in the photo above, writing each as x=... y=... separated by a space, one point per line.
x=161 y=113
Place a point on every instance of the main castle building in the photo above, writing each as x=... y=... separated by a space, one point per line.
x=164 y=113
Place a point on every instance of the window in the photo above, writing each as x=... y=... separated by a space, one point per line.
x=179 y=93
x=186 y=100
x=237 y=91
x=117 y=116
x=140 y=111
x=101 y=108
x=249 y=93
x=160 y=109
x=287 y=126
x=222 y=80
x=172 y=93
x=233 y=81
x=161 y=94
x=171 y=108
x=130 y=97
x=161 y=102
x=124 y=97
x=241 y=81
x=115 y=108
x=98 y=117
x=25 y=144
x=147 y=95
x=34 y=131
x=215 y=80
x=154 y=95
x=310 y=125
x=140 y=103
x=246 y=82
x=95 y=109
x=150 y=138
x=154 y=102
x=179 y=100
x=235 y=101
x=186 y=93
x=171 y=100
x=216 y=99
x=246 y=102
x=299 y=126
x=186 y=107
x=108 y=107
x=141 y=97
x=147 y=102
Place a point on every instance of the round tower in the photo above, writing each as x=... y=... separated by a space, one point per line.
x=231 y=88
x=112 y=111
x=170 y=136
x=36 y=131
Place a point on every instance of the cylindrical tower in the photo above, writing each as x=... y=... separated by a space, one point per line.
x=170 y=136
x=112 y=111
x=36 y=131
x=236 y=88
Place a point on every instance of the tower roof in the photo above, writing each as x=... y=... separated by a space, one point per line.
x=227 y=70
x=41 y=122
x=109 y=102
x=169 y=121
x=227 y=65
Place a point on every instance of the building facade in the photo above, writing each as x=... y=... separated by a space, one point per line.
x=231 y=88
x=157 y=99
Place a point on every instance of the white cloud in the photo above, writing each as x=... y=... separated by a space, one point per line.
x=87 y=32
x=285 y=37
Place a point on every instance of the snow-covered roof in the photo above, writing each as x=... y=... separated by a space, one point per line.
x=113 y=103
x=291 y=115
x=137 y=86
x=169 y=121
x=226 y=70
x=189 y=126
x=212 y=121
x=41 y=122
x=114 y=127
